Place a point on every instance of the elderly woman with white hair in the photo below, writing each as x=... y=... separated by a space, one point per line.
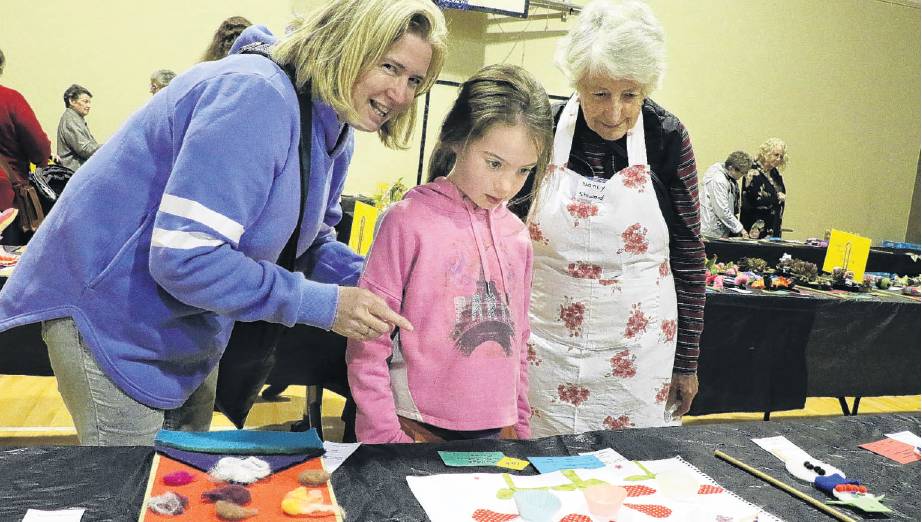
x=160 y=79
x=618 y=295
x=763 y=191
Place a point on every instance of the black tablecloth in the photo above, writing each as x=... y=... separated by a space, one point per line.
x=879 y=260
x=768 y=352
x=371 y=484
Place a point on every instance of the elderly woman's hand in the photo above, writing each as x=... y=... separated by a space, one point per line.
x=681 y=393
x=363 y=315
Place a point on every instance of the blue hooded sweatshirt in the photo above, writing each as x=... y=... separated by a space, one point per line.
x=170 y=232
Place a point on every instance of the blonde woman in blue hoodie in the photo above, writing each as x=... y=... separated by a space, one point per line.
x=173 y=229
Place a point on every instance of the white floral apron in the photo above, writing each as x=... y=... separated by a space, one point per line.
x=603 y=303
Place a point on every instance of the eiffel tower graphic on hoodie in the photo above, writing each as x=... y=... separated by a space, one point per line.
x=482 y=317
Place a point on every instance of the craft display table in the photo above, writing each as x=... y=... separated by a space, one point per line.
x=760 y=352
x=880 y=259
x=371 y=484
x=768 y=351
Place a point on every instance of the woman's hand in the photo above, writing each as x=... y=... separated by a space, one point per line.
x=681 y=393
x=362 y=315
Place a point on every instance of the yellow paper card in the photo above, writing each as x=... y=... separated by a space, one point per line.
x=363 y=227
x=512 y=463
x=849 y=251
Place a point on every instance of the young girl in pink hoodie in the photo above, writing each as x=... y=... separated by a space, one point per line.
x=454 y=261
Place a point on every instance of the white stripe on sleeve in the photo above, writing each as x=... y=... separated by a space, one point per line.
x=182 y=240
x=189 y=209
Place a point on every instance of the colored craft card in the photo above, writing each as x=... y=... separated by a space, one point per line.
x=512 y=463
x=608 y=456
x=893 y=450
x=267 y=493
x=363 y=227
x=471 y=458
x=60 y=515
x=849 y=251
x=550 y=464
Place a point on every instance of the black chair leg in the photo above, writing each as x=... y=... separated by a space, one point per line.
x=767 y=416
x=348 y=418
x=844 y=405
x=855 y=405
x=312 y=415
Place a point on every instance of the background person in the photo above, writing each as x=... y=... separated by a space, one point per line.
x=162 y=243
x=224 y=37
x=160 y=79
x=75 y=141
x=720 y=196
x=22 y=141
x=763 y=191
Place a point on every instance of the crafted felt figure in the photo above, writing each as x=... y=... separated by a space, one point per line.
x=833 y=481
x=823 y=476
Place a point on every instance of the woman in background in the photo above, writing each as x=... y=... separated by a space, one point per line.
x=22 y=141
x=224 y=38
x=764 y=193
x=160 y=79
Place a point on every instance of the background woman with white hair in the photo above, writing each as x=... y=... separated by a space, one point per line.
x=160 y=79
x=618 y=295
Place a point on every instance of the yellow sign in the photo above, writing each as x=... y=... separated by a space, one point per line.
x=849 y=251
x=512 y=463
x=363 y=227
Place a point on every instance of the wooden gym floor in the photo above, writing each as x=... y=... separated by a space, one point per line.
x=33 y=413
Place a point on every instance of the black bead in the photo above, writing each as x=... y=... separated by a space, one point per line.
x=808 y=465
x=819 y=470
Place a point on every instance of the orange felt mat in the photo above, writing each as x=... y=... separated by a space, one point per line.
x=267 y=493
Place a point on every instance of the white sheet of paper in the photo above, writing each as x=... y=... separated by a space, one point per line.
x=608 y=456
x=337 y=453
x=794 y=458
x=908 y=437
x=60 y=515
x=782 y=448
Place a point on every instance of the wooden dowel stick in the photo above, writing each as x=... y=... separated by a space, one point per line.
x=838 y=515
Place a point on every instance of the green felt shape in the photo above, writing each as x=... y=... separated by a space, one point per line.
x=575 y=483
x=648 y=475
x=864 y=502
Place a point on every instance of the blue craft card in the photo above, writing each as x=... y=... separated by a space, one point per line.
x=550 y=464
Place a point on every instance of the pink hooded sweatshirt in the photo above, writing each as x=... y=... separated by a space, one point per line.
x=464 y=365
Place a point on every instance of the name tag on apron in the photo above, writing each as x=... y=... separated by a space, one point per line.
x=591 y=190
